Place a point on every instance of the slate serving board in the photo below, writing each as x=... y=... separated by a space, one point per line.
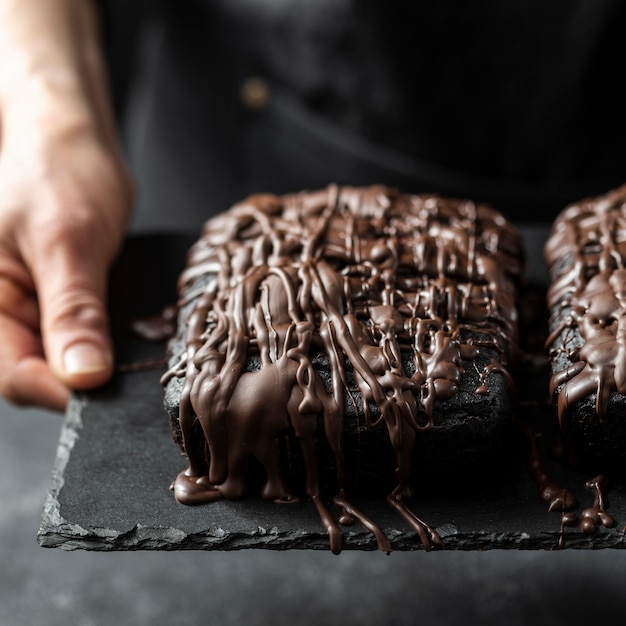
x=116 y=459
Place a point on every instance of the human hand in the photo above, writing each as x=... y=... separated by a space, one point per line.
x=63 y=211
x=64 y=204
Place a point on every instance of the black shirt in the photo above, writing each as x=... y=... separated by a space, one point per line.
x=517 y=103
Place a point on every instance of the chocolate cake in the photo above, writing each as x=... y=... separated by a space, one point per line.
x=342 y=341
x=586 y=254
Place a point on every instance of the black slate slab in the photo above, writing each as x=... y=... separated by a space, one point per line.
x=116 y=458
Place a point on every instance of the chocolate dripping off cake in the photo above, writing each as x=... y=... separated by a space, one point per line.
x=332 y=341
x=586 y=254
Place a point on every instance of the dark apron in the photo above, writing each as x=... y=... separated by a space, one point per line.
x=521 y=106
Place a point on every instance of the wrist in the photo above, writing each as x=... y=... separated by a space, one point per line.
x=45 y=102
x=52 y=73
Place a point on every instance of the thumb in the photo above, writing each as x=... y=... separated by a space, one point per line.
x=74 y=322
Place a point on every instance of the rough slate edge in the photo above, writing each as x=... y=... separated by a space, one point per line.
x=121 y=502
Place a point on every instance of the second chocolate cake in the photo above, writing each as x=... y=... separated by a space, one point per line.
x=341 y=341
x=586 y=254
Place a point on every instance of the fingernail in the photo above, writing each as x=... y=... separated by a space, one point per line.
x=85 y=358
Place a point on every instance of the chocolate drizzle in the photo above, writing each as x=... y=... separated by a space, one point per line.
x=587 y=299
x=362 y=278
x=596 y=515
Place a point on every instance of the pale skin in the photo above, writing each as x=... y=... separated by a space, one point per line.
x=65 y=200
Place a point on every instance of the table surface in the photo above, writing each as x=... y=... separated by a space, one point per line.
x=116 y=458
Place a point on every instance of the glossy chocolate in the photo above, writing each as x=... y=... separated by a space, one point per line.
x=395 y=291
x=586 y=254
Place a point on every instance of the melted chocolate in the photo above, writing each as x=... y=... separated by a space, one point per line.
x=586 y=253
x=596 y=515
x=362 y=276
x=587 y=299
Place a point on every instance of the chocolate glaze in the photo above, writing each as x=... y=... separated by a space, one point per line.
x=596 y=515
x=362 y=276
x=587 y=299
x=558 y=498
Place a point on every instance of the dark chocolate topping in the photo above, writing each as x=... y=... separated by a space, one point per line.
x=586 y=254
x=362 y=276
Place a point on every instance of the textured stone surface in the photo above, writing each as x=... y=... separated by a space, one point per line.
x=116 y=460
